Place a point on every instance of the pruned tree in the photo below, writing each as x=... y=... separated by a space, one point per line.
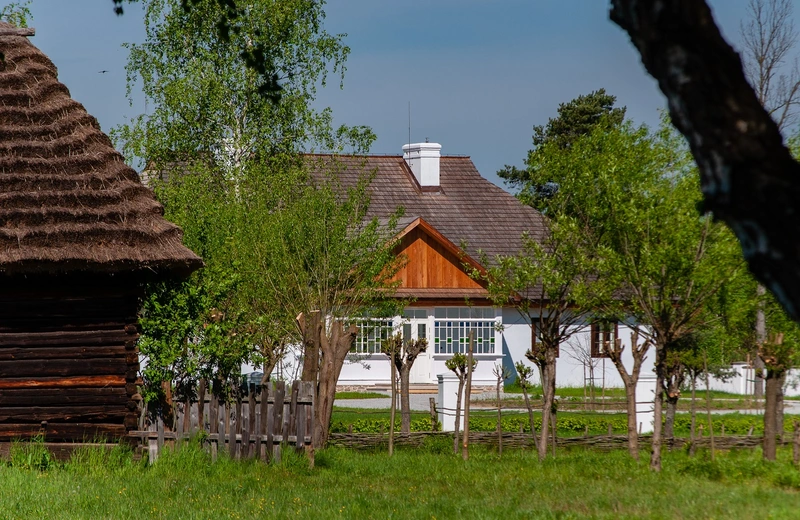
x=524 y=373
x=630 y=380
x=501 y=373
x=402 y=354
x=768 y=39
x=459 y=365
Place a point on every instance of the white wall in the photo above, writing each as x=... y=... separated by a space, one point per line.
x=569 y=367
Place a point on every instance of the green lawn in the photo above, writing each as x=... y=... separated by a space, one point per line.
x=420 y=483
x=360 y=395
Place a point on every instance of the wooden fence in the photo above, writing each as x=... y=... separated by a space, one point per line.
x=372 y=441
x=250 y=427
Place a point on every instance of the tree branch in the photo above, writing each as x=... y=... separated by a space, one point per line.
x=749 y=178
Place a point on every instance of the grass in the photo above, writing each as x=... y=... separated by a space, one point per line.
x=360 y=395
x=421 y=483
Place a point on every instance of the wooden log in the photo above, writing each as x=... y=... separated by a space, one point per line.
x=87 y=413
x=63 y=367
x=66 y=352
x=58 y=396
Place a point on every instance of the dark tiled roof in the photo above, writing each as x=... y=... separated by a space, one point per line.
x=68 y=202
x=468 y=208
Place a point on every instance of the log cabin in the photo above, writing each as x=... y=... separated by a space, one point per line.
x=79 y=236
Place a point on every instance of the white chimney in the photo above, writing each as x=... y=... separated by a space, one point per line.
x=423 y=159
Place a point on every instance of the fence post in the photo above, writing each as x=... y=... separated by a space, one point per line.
x=432 y=404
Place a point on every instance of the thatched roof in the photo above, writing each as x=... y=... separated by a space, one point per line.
x=68 y=202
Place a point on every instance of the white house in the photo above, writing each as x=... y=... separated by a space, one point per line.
x=448 y=205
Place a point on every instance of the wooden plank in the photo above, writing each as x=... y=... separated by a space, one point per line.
x=244 y=449
x=251 y=419
x=63 y=414
x=201 y=405
x=262 y=423
x=270 y=447
x=293 y=416
x=231 y=428
x=160 y=426
x=213 y=415
x=280 y=392
x=187 y=415
x=152 y=454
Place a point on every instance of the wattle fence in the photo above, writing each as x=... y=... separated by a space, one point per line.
x=259 y=425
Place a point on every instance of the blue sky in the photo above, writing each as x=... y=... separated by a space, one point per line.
x=478 y=73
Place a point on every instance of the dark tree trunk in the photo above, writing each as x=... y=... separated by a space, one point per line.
x=693 y=414
x=548 y=371
x=749 y=178
x=633 y=432
x=405 y=405
x=334 y=351
x=669 y=417
x=461 y=381
x=530 y=415
x=655 y=456
x=771 y=395
x=779 y=406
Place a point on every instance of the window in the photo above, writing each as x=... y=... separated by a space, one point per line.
x=452 y=326
x=371 y=333
x=602 y=332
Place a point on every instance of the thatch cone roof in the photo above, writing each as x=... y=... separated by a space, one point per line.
x=68 y=202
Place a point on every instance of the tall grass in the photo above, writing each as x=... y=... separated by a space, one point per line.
x=426 y=482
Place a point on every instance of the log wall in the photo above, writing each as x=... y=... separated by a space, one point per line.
x=68 y=357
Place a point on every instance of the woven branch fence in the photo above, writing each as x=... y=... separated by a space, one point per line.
x=523 y=440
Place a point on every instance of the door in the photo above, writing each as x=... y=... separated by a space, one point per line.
x=421 y=369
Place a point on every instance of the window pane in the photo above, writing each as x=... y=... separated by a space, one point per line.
x=439 y=312
x=420 y=314
x=452 y=312
x=421 y=331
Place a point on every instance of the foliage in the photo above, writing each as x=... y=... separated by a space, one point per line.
x=17 y=14
x=575 y=118
x=224 y=161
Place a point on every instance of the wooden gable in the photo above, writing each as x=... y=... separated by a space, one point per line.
x=433 y=262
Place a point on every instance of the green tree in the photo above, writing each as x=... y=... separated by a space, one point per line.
x=317 y=258
x=575 y=118
x=17 y=14
x=219 y=153
x=635 y=194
